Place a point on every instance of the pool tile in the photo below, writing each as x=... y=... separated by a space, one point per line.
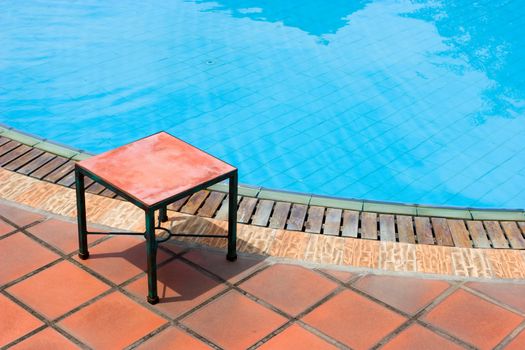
x=289 y=288
x=459 y=315
x=5 y=228
x=46 y=339
x=248 y=322
x=95 y=324
x=61 y=288
x=60 y=234
x=15 y=321
x=517 y=343
x=418 y=337
x=404 y=293
x=508 y=293
x=342 y=276
x=15 y=260
x=354 y=320
x=296 y=337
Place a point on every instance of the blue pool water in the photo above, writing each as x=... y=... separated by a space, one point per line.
x=409 y=101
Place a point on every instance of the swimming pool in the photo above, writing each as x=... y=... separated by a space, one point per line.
x=408 y=101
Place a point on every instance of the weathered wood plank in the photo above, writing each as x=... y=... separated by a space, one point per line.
x=68 y=180
x=23 y=160
x=387 y=228
x=178 y=204
x=49 y=167
x=3 y=141
x=442 y=231
x=222 y=213
x=459 y=233
x=478 y=234
x=405 y=229
x=36 y=163
x=369 y=225
x=211 y=204
x=14 y=154
x=297 y=217
x=332 y=224
x=423 y=230
x=279 y=215
x=496 y=234
x=262 y=213
x=314 y=221
x=108 y=193
x=194 y=203
x=8 y=147
x=246 y=208
x=513 y=234
x=95 y=188
x=60 y=172
x=350 y=223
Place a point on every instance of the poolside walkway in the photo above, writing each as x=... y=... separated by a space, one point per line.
x=50 y=299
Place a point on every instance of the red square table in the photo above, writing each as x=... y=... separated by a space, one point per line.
x=152 y=173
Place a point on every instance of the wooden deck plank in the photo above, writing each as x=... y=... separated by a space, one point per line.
x=314 y=221
x=36 y=163
x=332 y=224
x=60 y=172
x=23 y=160
x=262 y=213
x=297 y=217
x=496 y=234
x=194 y=203
x=387 y=228
x=442 y=232
x=369 y=225
x=350 y=223
x=460 y=234
x=279 y=215
x=423 y=230
x=175 y=206
x=108 y=193
x=222 y=213
x=478 y=234
x=3 y=141
x=212 y=203
x=68 y=180
x=49 y=167
x=8 y=147
x=246 y=208
x=513 y=234
x=14 y=154
x=95 y=188
x=405 y=229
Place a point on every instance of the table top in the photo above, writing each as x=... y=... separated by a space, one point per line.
x=156 y=168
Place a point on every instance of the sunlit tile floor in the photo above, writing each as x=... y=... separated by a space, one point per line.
x=51 y=300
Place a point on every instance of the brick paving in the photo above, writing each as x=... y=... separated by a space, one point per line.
x=51 y=300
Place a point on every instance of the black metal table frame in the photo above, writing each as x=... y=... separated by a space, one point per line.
x=151 y=241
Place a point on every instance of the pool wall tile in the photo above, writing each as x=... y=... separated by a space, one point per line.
x=389 y=208
x=336 y=203
x=456 y=213
x=284 y=196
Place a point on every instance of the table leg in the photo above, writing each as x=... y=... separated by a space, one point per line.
x=83 y=252
x=151 y=249
x=163 y=214
x=232 y=218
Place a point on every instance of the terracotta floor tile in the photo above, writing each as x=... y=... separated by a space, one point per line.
x=112 y=322
x=15 y=321
x=5 y=228
x=19 y=216
x=233 y=321
x=16 y=260
x=180 y=288
x=296 y=338
x=61 y=288
x=354 y=320
x=216 y=262
x=404 y=293
x=288 y=287
x=173 y=338
x=60 y=234
x=507 y=293
x=48 y=339
x=517 y=343
x=418 y=337
x=120 y=258
x=460 y=315
x=343 y=276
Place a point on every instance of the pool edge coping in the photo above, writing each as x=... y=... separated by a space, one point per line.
x=382 y=207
